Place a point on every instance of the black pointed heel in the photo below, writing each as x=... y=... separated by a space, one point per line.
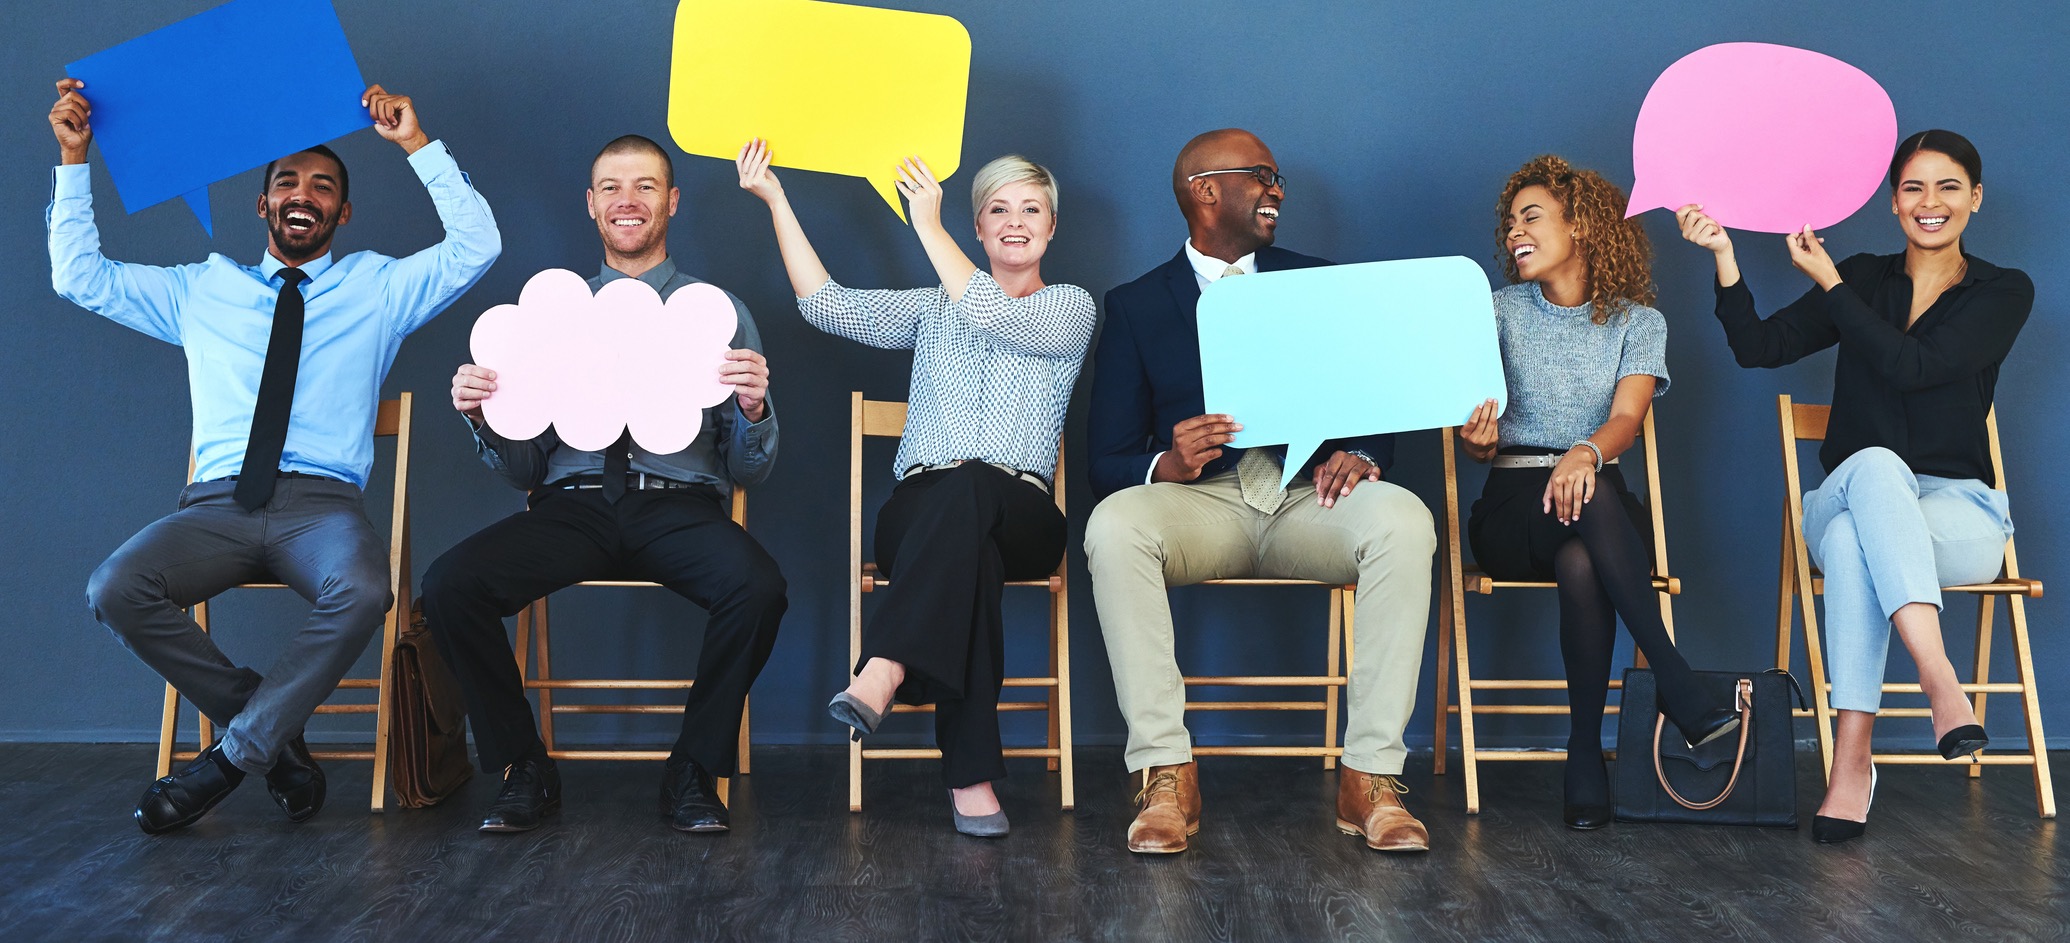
x=1962 y=741
x=1831 y=831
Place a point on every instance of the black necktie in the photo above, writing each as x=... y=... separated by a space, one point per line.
x=617 y=465
x=276 y=396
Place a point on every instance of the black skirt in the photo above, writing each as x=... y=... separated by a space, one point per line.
x=1512 y=535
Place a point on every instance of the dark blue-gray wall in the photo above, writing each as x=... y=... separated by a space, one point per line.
x=1397 y=124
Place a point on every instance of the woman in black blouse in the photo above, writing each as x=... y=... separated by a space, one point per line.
x=1907 y=505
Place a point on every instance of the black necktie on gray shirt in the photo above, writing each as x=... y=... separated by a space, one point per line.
x=276 y=400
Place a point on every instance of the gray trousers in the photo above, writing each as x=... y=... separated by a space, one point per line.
x=314 y=537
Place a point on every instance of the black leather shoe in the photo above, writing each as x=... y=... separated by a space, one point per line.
x=296 y=782
x=1583 y=818
x=1714 y=724
x=1963 y=741
x=690 y=799
x=181 y=799
x=531 y=792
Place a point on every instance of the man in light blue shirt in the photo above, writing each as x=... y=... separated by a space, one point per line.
x=285 y=361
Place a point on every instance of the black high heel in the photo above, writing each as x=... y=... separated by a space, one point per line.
x=1963 y=741
x=1831 y=831
x=1716 y=723
x=1588 y=816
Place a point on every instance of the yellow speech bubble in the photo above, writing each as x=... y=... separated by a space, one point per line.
x=833 y=87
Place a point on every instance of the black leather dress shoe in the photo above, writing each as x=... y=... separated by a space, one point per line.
x=690 y=799
x=296 y=782
x=531 y=792
x=179 y=800
x=1584 y=818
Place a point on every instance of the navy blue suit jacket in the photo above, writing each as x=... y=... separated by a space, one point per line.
x=1146 y=376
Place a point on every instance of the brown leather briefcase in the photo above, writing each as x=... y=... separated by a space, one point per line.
x=427 y=743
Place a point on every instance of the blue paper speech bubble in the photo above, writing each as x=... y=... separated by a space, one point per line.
x=1301 y=356
x=217 y=94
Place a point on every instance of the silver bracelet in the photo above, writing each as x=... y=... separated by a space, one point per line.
x=1592 y=447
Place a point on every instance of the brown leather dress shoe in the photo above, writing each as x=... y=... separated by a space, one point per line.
x=1370 y=804
x=1170 y=810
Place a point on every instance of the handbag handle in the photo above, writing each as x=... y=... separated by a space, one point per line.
x=1743 y=697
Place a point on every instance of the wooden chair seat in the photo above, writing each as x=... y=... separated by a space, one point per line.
x=1457 y=578
x=1801 y=584
x=534 y=641
x=887 y=419
x=391 y=420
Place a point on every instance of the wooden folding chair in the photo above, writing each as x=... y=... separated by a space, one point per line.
x=888 y=419
x=1456 y=578
x=1333 y=682
x=1801 y=582
x=534 y=640
x=393 y=419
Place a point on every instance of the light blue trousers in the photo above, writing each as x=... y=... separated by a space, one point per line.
x=1886 y=538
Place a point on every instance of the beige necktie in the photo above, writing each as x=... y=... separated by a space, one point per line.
x=1258 y=471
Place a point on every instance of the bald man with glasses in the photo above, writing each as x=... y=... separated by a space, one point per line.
x=1178 y=506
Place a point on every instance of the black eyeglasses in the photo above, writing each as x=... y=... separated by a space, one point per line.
x=1261 y=173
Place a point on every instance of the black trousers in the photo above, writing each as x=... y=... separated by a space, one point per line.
x=681 y=539
x=949 y=540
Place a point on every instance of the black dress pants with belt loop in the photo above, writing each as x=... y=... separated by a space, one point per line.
x=949 y=540
x=679 y=538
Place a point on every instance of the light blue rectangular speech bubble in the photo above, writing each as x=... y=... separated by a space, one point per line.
x=1301 y=356
x=217 y=94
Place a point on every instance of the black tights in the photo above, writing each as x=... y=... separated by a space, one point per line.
x=1604 y=572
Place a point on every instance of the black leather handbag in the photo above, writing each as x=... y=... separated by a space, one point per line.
x=1748 y=777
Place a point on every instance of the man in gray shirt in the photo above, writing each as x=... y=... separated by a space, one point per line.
x=624 y=513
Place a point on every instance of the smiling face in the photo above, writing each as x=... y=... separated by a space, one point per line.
x=1016 y=224
x=303 y=206
x=631 y=198
x=1933 y=200
x=1229 y=213
x=1541 y=240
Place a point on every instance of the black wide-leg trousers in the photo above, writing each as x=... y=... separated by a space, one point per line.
x=679 y=538
x=948 y=540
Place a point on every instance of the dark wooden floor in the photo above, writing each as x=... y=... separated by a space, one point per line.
x=1946 y=858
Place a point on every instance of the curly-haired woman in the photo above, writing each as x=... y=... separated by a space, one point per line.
x=1908 y=504
x=1584 y=355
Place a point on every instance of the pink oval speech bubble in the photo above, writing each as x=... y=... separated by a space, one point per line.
x=1768 y=138
x=594 y=366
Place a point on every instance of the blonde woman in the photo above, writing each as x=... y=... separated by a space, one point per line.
x=995 y=355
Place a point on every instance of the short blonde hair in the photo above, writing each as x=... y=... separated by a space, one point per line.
x=1004 y=172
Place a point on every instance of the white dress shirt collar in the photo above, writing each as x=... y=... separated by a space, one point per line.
x=1206 y=269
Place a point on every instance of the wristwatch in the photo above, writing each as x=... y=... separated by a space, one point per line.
x=1361 y=455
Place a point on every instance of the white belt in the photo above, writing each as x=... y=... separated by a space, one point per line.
x=1532 y=461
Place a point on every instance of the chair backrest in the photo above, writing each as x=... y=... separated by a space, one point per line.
x=887 y=419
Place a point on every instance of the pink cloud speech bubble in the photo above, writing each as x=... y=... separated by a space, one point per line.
x=593 y=366
x=1768 y=138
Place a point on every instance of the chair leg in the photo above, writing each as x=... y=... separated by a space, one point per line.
x=1334 y=641
x=1443 y=699
x=1066 y=771
x=1814 y=654
x=1986 y=606
x=1052 y=763
x=383 y=704
x=541 y=624
x=742 y=765
x=168 y=730
x=1456 y=606
x=2030 y=697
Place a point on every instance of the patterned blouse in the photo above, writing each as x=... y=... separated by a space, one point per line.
x=992 y=375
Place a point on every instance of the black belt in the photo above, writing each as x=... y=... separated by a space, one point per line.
x=634 y=481
x=290 y=474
